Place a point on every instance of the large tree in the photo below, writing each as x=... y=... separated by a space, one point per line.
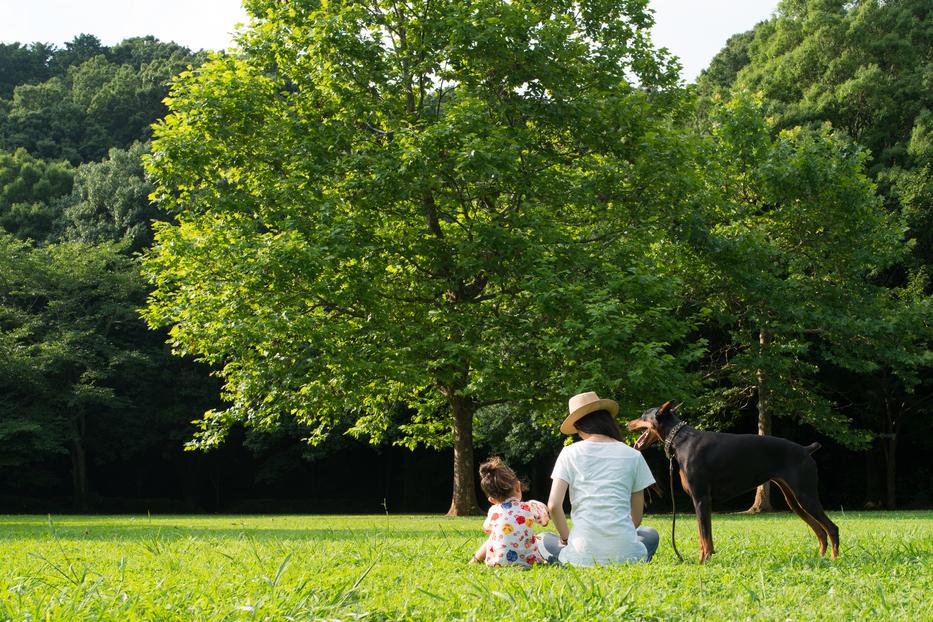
x=443 y=205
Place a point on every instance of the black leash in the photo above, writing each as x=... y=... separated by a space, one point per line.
x=668 y=449
x=673 y=511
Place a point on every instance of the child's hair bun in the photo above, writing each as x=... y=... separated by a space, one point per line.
x=496 y=478
x=489 y=468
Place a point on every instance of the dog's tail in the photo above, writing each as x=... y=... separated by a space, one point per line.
x=812 y=447
x=654 y=490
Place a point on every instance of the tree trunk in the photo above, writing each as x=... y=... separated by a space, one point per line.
x=891 y=472
x=762 y=501
x=79 y=465
x=216 y=476
x=874 y=483
x=889 y=446
x=463 y=502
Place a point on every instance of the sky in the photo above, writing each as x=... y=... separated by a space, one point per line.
x=693 y=30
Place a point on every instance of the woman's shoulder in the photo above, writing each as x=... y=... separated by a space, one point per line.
x=628 y=450
x=605 y=446
x=568 y=450
x=615 y=452
x=616 y=449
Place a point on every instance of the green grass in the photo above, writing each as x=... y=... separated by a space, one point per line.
x=414 y=568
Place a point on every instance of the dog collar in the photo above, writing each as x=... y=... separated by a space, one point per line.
x=670 y=438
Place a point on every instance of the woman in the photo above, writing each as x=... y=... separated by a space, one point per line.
x=606 y=479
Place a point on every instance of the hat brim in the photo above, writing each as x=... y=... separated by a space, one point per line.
x=569 y=426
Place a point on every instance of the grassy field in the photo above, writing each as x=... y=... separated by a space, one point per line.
x=414 y=568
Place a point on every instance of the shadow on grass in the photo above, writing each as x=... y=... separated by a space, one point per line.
x=82 y=528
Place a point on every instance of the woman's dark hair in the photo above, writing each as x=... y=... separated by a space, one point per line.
x=599 y=422
x=496 y=479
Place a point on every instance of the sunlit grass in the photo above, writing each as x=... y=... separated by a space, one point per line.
x=414 y=568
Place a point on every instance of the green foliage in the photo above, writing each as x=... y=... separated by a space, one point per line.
x=861 y=66
x=725 y=66
x=42 y=119
x=82 y=48
x=81 y=373
x=415 y=568
x=68 y=315
x=32 y=193
x=387 y=213
x=448 y=206
x=23 y=64
x=95 y=98
x=795 y=238
x=111 y=201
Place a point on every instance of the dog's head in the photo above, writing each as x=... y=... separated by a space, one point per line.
x=655 y=422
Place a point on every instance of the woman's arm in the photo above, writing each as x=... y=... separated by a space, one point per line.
x=638 y=507
x=555 y=505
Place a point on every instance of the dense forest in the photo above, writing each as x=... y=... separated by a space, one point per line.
x=775 y=275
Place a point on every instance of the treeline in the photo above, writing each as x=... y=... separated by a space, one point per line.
x=95 y=410
x=863 y=69
x=78 y=102
x=788 y=290
x=84 y=384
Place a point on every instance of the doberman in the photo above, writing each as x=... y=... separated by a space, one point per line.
x=718 y=466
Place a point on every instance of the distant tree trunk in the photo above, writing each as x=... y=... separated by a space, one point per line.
x=463 y=502
x=874 y=484
x=387 y=472
x=891 y=472
x=889 y=446
x=762 y=501
x=79 y=464
x=216 y=477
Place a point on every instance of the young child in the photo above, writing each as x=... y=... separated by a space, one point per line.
x=509 y=523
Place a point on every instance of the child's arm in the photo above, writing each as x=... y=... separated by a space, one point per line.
x=539 y=512
x=480 y=555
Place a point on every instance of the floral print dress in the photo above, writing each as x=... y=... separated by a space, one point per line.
x=512 y=540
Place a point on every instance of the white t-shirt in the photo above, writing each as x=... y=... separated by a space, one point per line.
x=602 y=478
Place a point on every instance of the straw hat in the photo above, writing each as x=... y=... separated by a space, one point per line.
x=583 y=404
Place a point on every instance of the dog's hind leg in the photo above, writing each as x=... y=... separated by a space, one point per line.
x=803 y=483
x=810 y=503
x=704 y=509
x=794 y=505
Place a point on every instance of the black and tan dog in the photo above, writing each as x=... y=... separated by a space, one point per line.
x=715 y=467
